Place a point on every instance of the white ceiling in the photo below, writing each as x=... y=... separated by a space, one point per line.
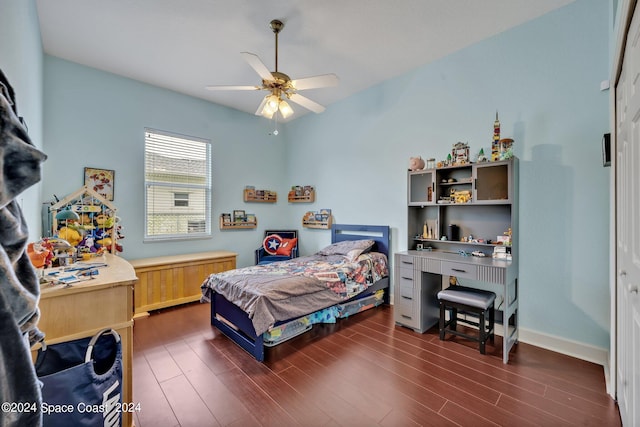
x=185 y=45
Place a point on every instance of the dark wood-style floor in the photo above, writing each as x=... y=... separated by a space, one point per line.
x=367 y=372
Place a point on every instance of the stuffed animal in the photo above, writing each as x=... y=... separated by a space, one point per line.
x=416 y=163
x=105 y=221
x=39 y=255
x=70 y=235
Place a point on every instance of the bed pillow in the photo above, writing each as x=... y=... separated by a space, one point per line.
x=271 y=243
x=351 y=249
x=286 y=246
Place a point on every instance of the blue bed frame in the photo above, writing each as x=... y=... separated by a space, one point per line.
x=237 y=325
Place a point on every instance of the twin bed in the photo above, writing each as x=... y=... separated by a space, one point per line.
x=260 y=305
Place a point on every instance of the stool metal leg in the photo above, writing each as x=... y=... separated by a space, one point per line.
x=442 y=320
x=454 y=318
x=492 y=323
x=483 y=332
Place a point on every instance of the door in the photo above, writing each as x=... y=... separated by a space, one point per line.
x=628 y=229
x=493 y=182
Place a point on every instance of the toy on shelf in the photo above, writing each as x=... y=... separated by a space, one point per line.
x=505 y=151
x=460 y=153
x=495 y=148
x=416 y=163
x=481 y=156
x=88 y=222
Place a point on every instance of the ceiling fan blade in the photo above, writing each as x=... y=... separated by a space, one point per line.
x=233 y=87
x=324 y=80
x=261 y=106
x=307 y=103
x=257 y=64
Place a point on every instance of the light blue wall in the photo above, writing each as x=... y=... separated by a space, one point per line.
x=544 y=78
x=97 y=119
x=21 y=61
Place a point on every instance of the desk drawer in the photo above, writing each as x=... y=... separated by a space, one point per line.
x=464 y=271
x=404 y=261
x=406 y=312
x=407 y=287
x=406 y=273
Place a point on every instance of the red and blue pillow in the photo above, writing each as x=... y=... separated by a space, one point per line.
x=273 y=244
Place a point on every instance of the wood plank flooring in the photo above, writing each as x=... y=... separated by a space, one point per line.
x=363 y=371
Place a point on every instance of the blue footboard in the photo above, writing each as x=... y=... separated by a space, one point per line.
x=242 y=331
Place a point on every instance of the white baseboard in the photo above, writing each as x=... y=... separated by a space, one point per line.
x=561 y=345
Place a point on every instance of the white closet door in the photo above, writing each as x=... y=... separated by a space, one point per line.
x=628 y=230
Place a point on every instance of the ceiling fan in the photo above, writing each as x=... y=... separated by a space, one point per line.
x=280 y=86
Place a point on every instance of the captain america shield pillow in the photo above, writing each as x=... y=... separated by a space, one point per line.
x=271 y=243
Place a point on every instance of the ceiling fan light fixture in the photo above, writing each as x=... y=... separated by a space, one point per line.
x=272 y=103
x=267 y=114
x=285 y=109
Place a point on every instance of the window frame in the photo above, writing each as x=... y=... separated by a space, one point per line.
x=150 y=185
x=177 y=199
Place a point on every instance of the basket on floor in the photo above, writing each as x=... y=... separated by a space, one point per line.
x=82 y=381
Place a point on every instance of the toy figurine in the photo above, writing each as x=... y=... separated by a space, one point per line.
x=460 y=153
x=506 y=148
x=495 y=145
x=416 y=163
x=481 y=156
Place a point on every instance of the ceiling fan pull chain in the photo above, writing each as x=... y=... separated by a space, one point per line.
x=275 y=131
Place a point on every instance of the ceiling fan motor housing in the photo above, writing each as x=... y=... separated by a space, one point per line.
x=276 y=25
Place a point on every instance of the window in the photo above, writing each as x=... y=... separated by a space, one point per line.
x=177 y=177
x=181 y=199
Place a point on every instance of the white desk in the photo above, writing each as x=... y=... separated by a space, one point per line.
x=416 y=305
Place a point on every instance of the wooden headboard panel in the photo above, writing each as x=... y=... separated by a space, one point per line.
x=378 y=233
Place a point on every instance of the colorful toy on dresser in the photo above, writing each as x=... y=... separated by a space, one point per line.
x=87 y=222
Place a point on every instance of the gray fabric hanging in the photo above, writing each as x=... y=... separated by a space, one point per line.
x=19 y=288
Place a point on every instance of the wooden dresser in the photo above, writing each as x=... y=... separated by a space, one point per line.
x=171 y=280
x=85 y=308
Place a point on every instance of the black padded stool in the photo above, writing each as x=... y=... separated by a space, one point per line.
x=458 y=299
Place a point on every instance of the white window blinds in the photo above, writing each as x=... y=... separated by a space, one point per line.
x=177 y=174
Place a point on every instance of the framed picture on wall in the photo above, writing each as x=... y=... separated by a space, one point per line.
x=101 y=181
